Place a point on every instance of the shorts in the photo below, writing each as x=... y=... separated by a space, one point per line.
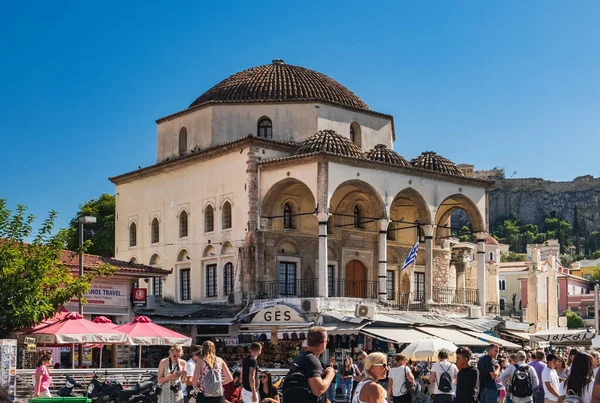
x=247 y=396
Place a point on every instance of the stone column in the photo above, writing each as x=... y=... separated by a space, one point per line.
x=428 y=229
x=382 y=256
x=323 y=278
x=481 y=270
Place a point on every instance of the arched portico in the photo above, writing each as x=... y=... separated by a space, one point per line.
x=289 y=205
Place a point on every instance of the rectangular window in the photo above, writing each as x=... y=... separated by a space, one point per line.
x=228 y=276
x=287 y=278
x=185 y=289
x=590 y=312
x=419 y=281
x=157 y=287
x=211 y=280
x=331 y=280
x=390 y=284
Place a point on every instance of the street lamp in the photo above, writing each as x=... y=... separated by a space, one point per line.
x=82 y=220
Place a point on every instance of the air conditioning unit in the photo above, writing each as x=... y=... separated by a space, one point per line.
x=309 y=305
x=235 y=298
x=365 y=311
x=474 y=312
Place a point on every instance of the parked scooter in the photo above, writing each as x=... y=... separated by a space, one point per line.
x=143 y=392
x=67 y=390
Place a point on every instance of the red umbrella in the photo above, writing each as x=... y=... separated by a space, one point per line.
x=75 y=329
x=142 y=332
x=104 y=321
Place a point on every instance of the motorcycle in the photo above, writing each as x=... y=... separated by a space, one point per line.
x=142 y=392
x=67 y=390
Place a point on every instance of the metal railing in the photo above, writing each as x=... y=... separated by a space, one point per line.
x=408 y=301
x=449 y=295
x=125 y=376
x=355 y=289
x=294 y=288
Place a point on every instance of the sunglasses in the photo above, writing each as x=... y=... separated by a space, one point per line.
x=264 y=377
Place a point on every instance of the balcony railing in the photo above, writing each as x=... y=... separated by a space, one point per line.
x=292 y=288
x=449 y=295
x=354 y=289
x=408 y=301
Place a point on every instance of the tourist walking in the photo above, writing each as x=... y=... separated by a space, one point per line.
x=443 y=376
x=467 y=379
x=172 y=376
x=523 y=380
x=580 y=381
x=368 y=390
x=539 y=365
x=347 y=376
x=249 y=368
x=190 y=366
x=333 y=387
x=210 y=375
x=42 y=378
x=550 y=381
x=267 y=392
x=401 y=381
x=307 y=369
x=360 y=370
x=487 y=375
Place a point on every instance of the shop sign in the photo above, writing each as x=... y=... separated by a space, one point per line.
x=139 y=296
x=29 y=340
x=278 y=314
x=31 y=348
x=113 y=295
x=572 y=337
x=231 y=342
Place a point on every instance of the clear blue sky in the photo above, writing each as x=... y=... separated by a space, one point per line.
x=491 y=83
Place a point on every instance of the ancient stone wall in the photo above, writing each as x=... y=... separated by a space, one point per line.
x=444 y=275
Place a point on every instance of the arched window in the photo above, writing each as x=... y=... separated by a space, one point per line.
x=209 y=219
x=357 y=216
x=491 y=255
x=183 y=224
x=502 y=284
x=132 y=234
x=182 y=141
x=265 y=128
x=288 y=219
x=355 y=134
x=155 y=231
x=228 y=278
x=502 y=304
x=226 y=218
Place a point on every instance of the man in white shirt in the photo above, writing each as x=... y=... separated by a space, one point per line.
x=190 y=366
x=397 y=380
x=442 y=373
x=509 y=372
x=550 y=380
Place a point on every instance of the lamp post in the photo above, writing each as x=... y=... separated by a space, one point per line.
x=82 y=220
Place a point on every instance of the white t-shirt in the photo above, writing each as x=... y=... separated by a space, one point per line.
x=587 y=392
x=398 y=377
x=550 y=375
x=439 y=368
x=190 y=366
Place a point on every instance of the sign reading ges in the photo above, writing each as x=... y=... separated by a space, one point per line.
x=278 y=314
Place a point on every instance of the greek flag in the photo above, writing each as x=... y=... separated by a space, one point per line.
x=412 y=256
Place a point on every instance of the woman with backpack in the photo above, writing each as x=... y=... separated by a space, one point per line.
x=347 y=375
x=368 y=390
x=580 y=382
x=210 y=375
x=171 y=372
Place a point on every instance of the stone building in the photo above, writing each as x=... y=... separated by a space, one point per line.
x=280 y=183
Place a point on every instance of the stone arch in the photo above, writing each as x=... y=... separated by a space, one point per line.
x=133 y=260
x=301 y=200
x=407 y=209
x=183 y=255
x=348 y=194
x=227 y=248
x=451 y=204
x=155 y=260
x=268 y=203
x=405 y=282
x=209 y=250
x=288 y=245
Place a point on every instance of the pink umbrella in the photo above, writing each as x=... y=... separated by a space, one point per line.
x=142 y=332
x=74 y=329
x=104 y=321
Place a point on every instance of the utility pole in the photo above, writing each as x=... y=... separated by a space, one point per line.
x=82 y=220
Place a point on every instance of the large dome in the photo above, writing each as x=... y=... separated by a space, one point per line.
x=280 y=82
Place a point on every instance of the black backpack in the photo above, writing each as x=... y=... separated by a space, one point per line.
x=408 y=385
x=520 y=384
x=295 y=387
x=445 y=382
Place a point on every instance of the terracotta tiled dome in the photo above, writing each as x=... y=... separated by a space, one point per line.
x=280 y=82
x=328 y=141
x=383 y=154
x=491 y=240
x=431 y=161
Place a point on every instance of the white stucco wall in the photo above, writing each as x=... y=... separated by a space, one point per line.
x=199 y=129
x=192 y=188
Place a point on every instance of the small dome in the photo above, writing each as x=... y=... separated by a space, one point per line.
x=280 y=82
x=490 y=240
x=431 y=161
x=330 y=142
x=383 y=154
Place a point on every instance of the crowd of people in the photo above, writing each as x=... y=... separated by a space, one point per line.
x=551 y=376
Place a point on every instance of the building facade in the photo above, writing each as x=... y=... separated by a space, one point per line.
x=280 y=183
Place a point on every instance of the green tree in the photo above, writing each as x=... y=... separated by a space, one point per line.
x=509 y=232
x=464 y=234
x=513 y=257
x=596 y=255
x=574 y=320
x=33 y=280
x=102 y=234
x=595 y=276
x=566 y=260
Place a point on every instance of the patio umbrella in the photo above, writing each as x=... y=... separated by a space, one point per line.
x=142 y=332
x=428 y=348
x=104 y=321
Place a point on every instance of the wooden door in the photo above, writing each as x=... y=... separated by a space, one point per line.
x=356 y=276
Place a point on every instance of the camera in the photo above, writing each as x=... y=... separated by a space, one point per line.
x=176 y=387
